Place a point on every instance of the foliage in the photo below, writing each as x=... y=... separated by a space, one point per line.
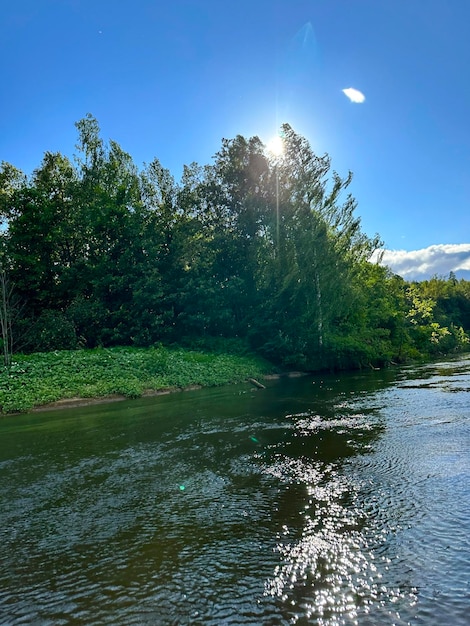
x=40 y=378
x=265 y=251
x=52 y=330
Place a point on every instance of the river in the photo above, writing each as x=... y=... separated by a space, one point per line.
x=326 y=500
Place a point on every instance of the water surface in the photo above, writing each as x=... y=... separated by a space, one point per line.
x=320 y=500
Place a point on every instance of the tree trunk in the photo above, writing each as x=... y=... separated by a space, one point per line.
x=5 y=318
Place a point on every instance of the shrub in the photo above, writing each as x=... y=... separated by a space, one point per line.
x=52 y=330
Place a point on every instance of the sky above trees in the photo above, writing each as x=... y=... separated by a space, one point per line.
x=170 y=79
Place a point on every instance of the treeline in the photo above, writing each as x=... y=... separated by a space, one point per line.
x=262 y=249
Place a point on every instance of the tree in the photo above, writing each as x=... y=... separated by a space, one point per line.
x=281 y=249
x=44 y=235
x=6 y=293
x=317 y=247
x=255 y=246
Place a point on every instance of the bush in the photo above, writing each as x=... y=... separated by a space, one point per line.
x=52 y=330
x=89 y=318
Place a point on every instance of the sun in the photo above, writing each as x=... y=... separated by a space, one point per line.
x=276 y=146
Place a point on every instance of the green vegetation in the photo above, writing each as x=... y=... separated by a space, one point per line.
x=258 y=248
x=36 y=379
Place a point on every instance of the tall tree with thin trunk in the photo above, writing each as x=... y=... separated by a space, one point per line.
x=6 y=293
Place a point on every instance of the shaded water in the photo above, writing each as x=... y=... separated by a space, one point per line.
x=328 y=501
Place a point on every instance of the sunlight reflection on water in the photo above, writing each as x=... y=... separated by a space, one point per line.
x=339 y=506
x=330 y=573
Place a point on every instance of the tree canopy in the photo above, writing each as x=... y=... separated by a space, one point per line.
x=260 y=248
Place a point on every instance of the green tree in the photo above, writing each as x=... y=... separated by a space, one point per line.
x=6 y=293
x=317 y=250
x=119 y=279
x=259 y=247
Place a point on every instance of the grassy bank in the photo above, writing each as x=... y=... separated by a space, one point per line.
x=37 y=379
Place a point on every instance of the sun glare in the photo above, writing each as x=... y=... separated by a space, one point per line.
x=276 y=146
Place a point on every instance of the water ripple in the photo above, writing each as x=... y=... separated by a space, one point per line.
x=337 y=504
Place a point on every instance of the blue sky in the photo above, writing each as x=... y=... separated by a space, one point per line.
x=170 y=79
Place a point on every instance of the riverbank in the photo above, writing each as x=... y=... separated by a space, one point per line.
x=79 y=377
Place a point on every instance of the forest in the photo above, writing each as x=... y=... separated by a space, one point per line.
x=261 y=251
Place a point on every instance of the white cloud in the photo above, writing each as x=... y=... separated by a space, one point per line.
x=422 y=264
x=354 y=95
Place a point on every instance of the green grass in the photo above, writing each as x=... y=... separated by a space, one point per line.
x=37 y=379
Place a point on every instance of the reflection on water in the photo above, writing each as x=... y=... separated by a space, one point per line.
x=333 y=571
x=338 y=502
